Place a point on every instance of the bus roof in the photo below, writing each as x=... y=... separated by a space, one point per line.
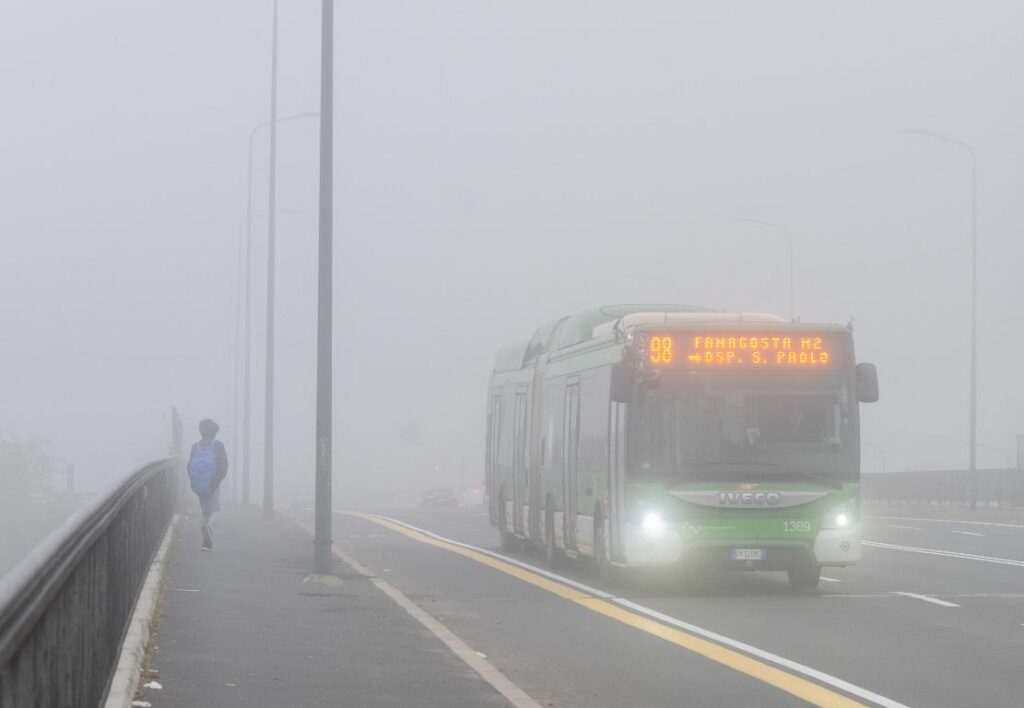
x=602 y=322
x=634 y=319
x=573 y=329
x=582 y=326
x=510 y=358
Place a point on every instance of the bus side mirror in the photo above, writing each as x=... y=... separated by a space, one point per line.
x=867 y=383
x=621 y=385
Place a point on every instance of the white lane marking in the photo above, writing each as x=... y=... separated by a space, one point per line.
x=793 y=666
x=861 y=596
x=474 y=659
x=947 y=554
x=969 y=533
x=904 y=528
x=890 y=595
x=948 y=521
x=830 y=580
x=926 y=598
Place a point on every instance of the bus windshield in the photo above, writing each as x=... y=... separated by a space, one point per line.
x=743 y=426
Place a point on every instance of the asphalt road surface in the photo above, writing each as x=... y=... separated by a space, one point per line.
x=932 y=616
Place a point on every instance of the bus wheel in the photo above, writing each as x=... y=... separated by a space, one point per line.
x=610 y=575
x=551 y=552
x=509 y=542
x=804 y=577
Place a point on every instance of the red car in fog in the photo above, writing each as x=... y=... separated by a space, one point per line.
x=439 y=496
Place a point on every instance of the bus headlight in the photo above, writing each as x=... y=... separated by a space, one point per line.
x=843 y=516
x=653 y=524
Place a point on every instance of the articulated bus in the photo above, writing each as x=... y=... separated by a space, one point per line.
x=677 y=436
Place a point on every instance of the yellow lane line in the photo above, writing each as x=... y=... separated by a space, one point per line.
x=783 y=680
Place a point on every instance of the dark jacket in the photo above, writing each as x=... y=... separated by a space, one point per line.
x=220 y=454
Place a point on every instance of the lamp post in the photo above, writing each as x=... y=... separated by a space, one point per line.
x=973 y=454
x=789 y=236
x=325 y=300
x=246 y=390
x=1007 y=457
x=268 y=411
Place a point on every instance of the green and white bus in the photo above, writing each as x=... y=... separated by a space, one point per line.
x=669 y=435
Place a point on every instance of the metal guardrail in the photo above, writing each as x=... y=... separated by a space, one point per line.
x=65 y=608
x=991 y=488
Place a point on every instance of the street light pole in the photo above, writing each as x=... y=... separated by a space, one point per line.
x=972 y=465
x=246 y=369
x=246 y=365
x=268 y=416
x=792 y=274
x=236 y=355
x=325 y=300
x=1006 y=455
x=246 y=383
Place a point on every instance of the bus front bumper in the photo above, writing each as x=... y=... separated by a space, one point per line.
x=837 y=547
x=830 y=547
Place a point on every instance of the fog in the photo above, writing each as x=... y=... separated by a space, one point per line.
x=497 y=166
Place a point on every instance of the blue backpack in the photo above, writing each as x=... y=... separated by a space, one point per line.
x=202 y=469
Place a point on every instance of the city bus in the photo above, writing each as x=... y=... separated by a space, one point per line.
x=671 y=436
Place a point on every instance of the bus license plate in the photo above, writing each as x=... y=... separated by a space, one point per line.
x=748 y=554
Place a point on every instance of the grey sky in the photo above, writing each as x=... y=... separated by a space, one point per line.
x=498 y=165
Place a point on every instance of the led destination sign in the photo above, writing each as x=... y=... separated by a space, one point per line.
x=745 y=351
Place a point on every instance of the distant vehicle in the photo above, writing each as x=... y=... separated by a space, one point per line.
x=473 y=497
x=668 y=435
x=439 y=496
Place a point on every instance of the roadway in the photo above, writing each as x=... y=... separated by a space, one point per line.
x=932 y=616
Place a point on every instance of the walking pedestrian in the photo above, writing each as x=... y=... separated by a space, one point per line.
x=207 y=468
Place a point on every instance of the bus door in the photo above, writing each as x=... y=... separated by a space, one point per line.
x=572 y=449
x=491 y=479
x=519 y=461
x=616 y=475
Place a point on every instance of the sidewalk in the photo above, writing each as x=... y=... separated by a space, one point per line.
x=239 y=628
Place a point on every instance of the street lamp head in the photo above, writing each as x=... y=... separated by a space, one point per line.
x=936 y=136
x=758 y=222
x=925 y=134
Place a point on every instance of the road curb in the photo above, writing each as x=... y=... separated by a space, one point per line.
x=133 y=649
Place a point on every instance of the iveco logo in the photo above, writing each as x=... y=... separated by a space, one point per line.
x=749 y=498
